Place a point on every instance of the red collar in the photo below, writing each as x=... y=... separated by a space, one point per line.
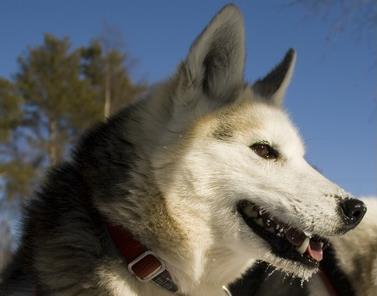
x=141 y=262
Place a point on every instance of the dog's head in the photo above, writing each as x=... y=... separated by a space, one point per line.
x=232 y=160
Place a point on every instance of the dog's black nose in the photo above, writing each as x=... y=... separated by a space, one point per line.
x=353 y=211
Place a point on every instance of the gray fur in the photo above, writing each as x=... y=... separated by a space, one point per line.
x=216 y=59
x=273 y=86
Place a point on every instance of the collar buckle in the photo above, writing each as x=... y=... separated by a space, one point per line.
x=146 y=266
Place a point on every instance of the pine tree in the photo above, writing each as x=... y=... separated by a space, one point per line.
x=15 y=171
x=57 y=102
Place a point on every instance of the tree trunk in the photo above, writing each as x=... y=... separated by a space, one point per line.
x=107 y=108
x=53 y=154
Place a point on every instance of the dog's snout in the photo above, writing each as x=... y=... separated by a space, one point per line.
x=353 y=211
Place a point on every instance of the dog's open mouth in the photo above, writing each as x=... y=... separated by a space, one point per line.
x=285 y=241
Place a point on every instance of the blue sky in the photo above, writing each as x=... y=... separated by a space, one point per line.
x=332 y=97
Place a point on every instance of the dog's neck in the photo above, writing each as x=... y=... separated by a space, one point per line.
x=197 y=264
x=218 y=267
x=206 y=269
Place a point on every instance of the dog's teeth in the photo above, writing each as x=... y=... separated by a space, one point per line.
x=277 y=227
x=308 y=234
x=267 y=222
x=279 y=231
x=260 y=212
x=301 y=249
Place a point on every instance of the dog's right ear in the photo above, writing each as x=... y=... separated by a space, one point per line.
x=215 y=63
x=274 y=85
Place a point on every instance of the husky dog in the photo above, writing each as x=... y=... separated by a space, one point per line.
x=349 y=268
x=182 y=191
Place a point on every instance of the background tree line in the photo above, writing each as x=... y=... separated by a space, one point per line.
x=57 y=92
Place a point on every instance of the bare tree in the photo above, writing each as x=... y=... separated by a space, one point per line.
x=357 y=16
x=107 y=66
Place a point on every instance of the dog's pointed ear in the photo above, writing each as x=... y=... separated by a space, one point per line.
x=273 y=86
x=216 y=59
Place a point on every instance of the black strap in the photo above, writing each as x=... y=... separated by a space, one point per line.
x=165 y=281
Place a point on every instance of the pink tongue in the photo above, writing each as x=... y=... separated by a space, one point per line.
x=315 y=250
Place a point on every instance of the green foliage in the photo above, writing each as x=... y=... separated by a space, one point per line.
x=57 y=92
x=50 y=82
x=19 y=177
x=10 y=109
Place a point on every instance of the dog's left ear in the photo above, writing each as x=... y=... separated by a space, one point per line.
x=273 y=86
x=215 y=63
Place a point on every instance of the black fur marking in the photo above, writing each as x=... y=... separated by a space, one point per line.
x=252 y=280
x=263 y=279
x=104 y=156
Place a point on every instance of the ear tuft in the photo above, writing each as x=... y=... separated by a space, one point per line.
x=273 y=86
x=216 y=59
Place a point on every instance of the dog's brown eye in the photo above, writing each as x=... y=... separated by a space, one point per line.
x=264 y=150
